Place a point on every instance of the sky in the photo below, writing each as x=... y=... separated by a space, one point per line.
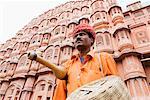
x=15 y=14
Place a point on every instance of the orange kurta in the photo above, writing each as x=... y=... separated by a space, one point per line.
x=81 y=73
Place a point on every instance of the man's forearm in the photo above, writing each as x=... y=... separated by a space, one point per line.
x=60 y=72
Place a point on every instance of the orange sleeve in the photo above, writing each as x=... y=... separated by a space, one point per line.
x=108 y=64
x=111 y=64
x=60 y=91
x=61 y=87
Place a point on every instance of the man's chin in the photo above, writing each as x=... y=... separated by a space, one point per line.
x=79 y=47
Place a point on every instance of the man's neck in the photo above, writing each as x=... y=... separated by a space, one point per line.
x=83 y=52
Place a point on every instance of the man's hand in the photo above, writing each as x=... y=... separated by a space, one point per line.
x=60 y=72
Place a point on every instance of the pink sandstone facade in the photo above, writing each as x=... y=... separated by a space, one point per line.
x=125 y=35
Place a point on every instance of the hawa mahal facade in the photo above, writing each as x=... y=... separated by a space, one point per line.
x=125 y=35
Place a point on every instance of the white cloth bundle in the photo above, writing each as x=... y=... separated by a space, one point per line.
x=107 y=88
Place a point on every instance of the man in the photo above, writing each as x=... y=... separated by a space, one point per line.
x=83 y=67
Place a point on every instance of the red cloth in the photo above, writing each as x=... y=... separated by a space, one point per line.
x=86 y=27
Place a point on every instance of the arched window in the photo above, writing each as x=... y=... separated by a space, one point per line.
x=56 y=53
x=97 y=16
x=50 y=87
x=35 y=28
x=17 y=93
x=84 y=9
x=104 y=15
x=45 y=88
x=57 y=31
x=13 y=92
x=63 y=29
x=99 y=40
x=16 y=47
x=43 y=23
x=49 y=53
x=53 y=20
x=76 y=12
x=141 y=37
x=107 y=39
x=9 y=93
x=42 y=87
x=138 y=13
x=23 y=61
x=3 y=67
x=36 y=39
x=65 y=51
x=96 y=4
x=114 y=10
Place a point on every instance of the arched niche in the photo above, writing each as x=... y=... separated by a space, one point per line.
x=35 y=41
x=59 y=30
x=76 y=12
x=85 y=10
x=43 y=89
x=23 y=65
x=43 y=23
x=13 y=91
x=16 y=49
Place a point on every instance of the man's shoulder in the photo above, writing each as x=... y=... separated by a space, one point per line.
x=67 y=62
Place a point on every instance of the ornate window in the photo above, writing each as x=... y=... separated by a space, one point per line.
x=13 y=92
x=123 y=35
x=103 y=39
x=127 y=16
x=23 y=61
x=46 y=36
x=45 y=39
x=141 y=37
x=49 y=54
x=53 y=20
x=63 y=29
x=107 y=39
x=69 y=50
x=43 y=23
x=104 y=15
x=138 y=13
x=42 y=87
x=50 y=87
x=10 y=92
x=36 y=39
x=76 y=12
x=56 y=53
x=17 y=93
x=35 y=28
x=65 y=51
x=16 y=47
x=84 y=9
x=57 y=31
x=68 y=14
x=97 y=16
x=96 y=5
x=99 y=40
x=3 y=67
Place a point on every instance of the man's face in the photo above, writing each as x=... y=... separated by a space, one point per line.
x=82 y=40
